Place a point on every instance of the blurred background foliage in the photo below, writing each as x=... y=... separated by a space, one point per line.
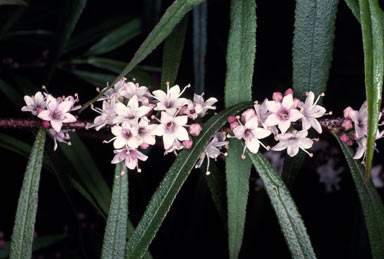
x=75 y=46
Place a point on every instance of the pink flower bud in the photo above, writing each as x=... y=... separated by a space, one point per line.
x=46 y=124
x=187 y=144
x=144 y=146
x=288 y=91
x=234 y=125
x=247 y=114
x=277 y=96
x=344 y=137
x=346 y=112
x=355 y=136
x=350 y=143
x=347 y=124
x=231 y=119
x=195 y=129
x=296 y=102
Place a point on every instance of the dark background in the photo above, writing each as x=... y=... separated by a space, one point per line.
x=192 y=228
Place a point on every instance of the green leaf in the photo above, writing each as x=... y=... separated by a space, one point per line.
x=90 y=176
x=38 y=244
x=94 y=32
x=22 y=235
x=313 y=45
x=169 y=187
x=237 y=173
x=11 y=93
x=116 y=38
x=291 y=168
x=94 y=78
x=115 y=66
x=373 y=45
x=70 y=14
x=354 y=6
x=115 y=235
x=172 y=53
x=200 y=14
x=167 y=23
x=290 y=221
x=370 y=201
x=241 y=53
x=13 y=2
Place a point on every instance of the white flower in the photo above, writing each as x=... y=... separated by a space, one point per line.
x=361 y=149
x=212 y=150
x=131 y=111
x=131 y=89
x=293 y=142
x=360 y=119
x=107 y=115
x=329 y=175
x=126 y=135
x=57 y=113
x=145 y=131
x=130 y=156
x=282 y=113
x=251 y=133
x=311 y=112
x=35 y=103
x=61 y=136
x=170 y=101
x=171 y=128
x=199 y=106
x=114 y=92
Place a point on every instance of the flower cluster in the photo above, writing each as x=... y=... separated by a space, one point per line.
x=355 y=124
x=132 y=113
x=54 y=112
x=280 y=117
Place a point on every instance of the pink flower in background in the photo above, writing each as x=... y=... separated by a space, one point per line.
x=282 y=113
x=311 y=112
x=35 y=103
x=293 y=142
x=57 y=113
x=330 y=175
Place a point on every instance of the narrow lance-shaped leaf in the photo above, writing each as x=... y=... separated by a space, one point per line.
x=200 y=18
x=241 y=53
x=290 y=221
x=172 y=53
x=237 y=174
x=22 y=235
x=170 y=186
x=370 y=201
x=371 y=26
x=116 y=38
x=313 y=45
x=168 y=21
x=115 y=235
x=13 y=2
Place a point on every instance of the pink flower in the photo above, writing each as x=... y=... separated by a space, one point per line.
x=35 y=103
x=170 y=101
x=126 y=135
x=171 y=128
x=195 y=129
x=293 y=142
x=251 y=133
x=145 y=132
x=61 y=136
x=199 y=107
x=130 y=112
x=57 y=113
x=347 y=111
x=288 y=91
x=360 y=119
x=130 y=156
x=277 y=96
x=107 y=115
x=282 y=114
x=131 y=89
x=347 y=124
x=311 y=113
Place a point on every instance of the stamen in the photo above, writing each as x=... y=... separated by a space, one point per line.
x=207 y=172
x=185 y=88
x=243 y=154
x=122 y=173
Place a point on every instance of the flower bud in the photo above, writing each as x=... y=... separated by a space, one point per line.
x=347 y=124
x=277 y=96
x=187 y=144
x=247 y=114
x=346 y=112
x=288 y=91
x=195 y=129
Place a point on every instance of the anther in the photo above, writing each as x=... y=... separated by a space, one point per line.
x=208 y=173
